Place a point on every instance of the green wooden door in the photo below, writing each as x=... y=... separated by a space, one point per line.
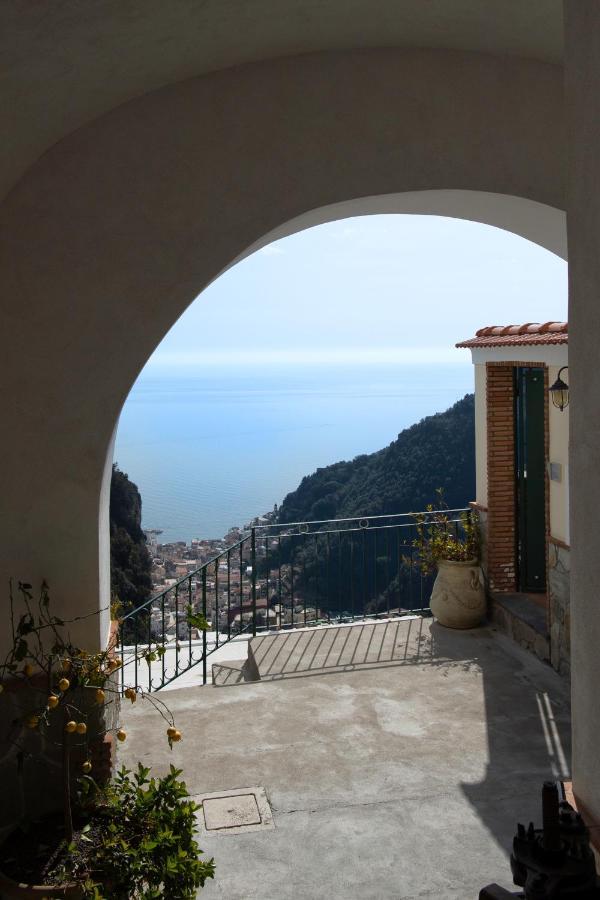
x=531 y=478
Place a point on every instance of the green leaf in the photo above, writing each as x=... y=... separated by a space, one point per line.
x=196 y=620
x=148 y=845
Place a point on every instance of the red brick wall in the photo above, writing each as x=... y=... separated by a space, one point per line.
x=501 y=477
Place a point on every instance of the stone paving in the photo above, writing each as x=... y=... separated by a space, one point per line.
x=398 y=780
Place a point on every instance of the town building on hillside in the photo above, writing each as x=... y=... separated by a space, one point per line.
x=522 y=481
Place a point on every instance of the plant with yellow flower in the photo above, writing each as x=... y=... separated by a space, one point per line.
x=70 y=699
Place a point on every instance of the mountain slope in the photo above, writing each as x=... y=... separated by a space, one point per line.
x=439 y=451
x=131 y=579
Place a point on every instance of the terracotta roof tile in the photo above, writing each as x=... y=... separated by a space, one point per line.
x=531 y=333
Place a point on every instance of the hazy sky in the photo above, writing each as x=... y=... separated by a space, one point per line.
x=394 y=288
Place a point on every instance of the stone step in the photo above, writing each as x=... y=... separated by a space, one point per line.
x=234 y=671
x=523 y=620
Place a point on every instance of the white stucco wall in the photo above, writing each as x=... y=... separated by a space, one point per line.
x=66 y=63
x=549 y=354
x=582 y=97
x=558 y=428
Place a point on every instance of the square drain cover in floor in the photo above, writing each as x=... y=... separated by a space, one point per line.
x=235 y=812
x=231 y=812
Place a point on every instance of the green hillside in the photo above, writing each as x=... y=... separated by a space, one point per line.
x=373 y=570
x=131 y=580
x=439 y=451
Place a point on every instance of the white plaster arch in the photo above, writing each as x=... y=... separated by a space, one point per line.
x=112 y=52
x=101 y=204
x=536 y=222
x=115 y=230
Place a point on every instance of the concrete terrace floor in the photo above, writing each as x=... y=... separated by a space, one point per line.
x=396 y=780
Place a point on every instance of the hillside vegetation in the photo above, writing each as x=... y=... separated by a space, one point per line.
x=439 y=451
x=130 y=562
x=373 y=570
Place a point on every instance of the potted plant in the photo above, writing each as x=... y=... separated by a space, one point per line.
x=451 y=547
x=131 y=836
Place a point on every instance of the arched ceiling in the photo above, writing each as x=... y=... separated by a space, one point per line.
x=66 y=62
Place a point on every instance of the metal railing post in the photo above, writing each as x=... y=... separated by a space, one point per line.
x=229 y=595
x=253 y=564
x=149 y=648
x=190 y=612
x=122 y=673
x=162 y=658
x=204 y=630
x=176 y=630
x=216 y=603
x=135 y=660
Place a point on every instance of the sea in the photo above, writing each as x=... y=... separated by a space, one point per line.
x=211 y=448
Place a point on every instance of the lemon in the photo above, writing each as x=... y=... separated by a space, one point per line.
x=71 y=726
x=176 y=737
x=86 y=766
x=171 y=732
x=52 y=701
x=121 y=734
x=81 y=728
x=131 y=694
x=28 y=670
x=64 y=684
x=100 y=696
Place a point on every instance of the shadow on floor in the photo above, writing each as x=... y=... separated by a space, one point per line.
x=402 y=773
x=526 y=715
x=342 y=648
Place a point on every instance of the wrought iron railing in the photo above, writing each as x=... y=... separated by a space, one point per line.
x=278 y=577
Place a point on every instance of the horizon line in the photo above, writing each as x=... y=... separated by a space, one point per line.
x=309 y=357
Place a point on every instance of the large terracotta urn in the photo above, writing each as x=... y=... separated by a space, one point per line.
x=458 y=595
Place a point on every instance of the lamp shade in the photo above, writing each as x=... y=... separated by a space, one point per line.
x=559 y=391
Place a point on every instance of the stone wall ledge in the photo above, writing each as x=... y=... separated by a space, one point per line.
x=523 y=620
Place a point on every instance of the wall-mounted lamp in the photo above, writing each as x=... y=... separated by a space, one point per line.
x=559 y=391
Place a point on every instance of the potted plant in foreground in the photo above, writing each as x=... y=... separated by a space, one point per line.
x=451 y=547
x=131 y=836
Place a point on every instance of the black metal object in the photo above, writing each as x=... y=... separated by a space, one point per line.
x=559 y=391
x=554 y=862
